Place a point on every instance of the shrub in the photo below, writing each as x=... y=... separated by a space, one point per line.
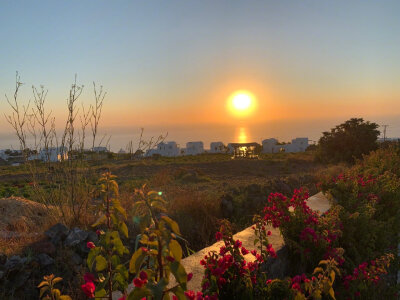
x=348 y=141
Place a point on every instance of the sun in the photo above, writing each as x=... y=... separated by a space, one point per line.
x=241 y=103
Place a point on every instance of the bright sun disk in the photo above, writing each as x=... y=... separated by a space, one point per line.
x=241 y=101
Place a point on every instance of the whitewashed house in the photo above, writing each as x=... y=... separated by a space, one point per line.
x=53 y=154
x=270 y=145
x=168 y=149
x=297 y=145
x=194 y=148
x=217 y=147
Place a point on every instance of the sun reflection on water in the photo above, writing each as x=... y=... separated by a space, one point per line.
x=241 y=135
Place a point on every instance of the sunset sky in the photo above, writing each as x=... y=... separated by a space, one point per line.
x=172 y=65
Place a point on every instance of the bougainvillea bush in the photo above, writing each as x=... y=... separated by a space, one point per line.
x=348 y=252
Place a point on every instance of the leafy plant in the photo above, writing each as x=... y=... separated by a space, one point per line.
x=47 y=290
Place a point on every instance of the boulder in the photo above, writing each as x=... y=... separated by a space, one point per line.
x=57 y=232
x=75 y=237
x=45 y=260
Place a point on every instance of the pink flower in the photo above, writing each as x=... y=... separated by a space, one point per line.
x=238 y=244
x=218 y=235
x=189 y=276
x=90 y=245
x=88 y=277
x=268 y=281
x=244 y=251
x=269 y=232
x=143 y=276
x=138 y=283
x=98 y=232
x=88 y=288
x=122 y=298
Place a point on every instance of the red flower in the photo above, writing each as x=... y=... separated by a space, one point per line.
x=170 y=258
x=244 y=251
x=122 y=298
x=90 y=245
x=268 y=281
x=269 y=232
x=88 y=277
x=218 y=236
x=238 y=244
x=143 y=276
x=189 y=276
x=88 y=288
x=138 y=283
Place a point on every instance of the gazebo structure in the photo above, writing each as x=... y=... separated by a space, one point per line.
x=245 y=150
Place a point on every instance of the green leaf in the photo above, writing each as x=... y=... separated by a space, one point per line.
x=101 y=263
x=124 y=229
x=138 y=294
x=136 y=261
x=102 y=219
x=119 y=208
x=174 y=226
x=332 y=293
x=158 y=289
x=100 y=293
x=176 y=250
x=42 y=290
x=179 y=292
x=179 y=272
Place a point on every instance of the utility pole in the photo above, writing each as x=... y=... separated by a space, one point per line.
x=384 y=131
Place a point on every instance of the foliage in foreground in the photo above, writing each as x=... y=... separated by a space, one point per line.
x=353 y=245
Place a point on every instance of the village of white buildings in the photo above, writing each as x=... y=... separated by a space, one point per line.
x=168 y=149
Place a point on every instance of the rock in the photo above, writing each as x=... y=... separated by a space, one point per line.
x=76 y=259
x=13 y=262
x=45 y=260
x=278 y=267
x=75 y=237
x=58 y=230
x=92 y=237
x=44 y=247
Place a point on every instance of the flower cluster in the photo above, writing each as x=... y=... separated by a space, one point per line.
x=228 y=269
x=368 y=272
x=88 y=288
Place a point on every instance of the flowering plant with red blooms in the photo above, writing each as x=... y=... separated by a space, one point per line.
x=308 y=235
x=228 y=274
x=365 y=280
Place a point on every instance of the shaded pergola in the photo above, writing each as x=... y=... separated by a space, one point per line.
x=245 y=150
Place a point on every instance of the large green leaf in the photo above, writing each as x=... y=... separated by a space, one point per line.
x=101 y=263
x=174 y=226
x=176 y=250
x=124 y=229
x=136 y=261
x=179 y=272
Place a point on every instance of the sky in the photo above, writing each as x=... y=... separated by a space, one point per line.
x=170 y=66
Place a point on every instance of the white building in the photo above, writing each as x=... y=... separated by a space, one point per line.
x=3 y=154
x=100 y=149
x=168 y=149
x=194 y=148
x=217 y=147
x=52 y=154
x=297 y=145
